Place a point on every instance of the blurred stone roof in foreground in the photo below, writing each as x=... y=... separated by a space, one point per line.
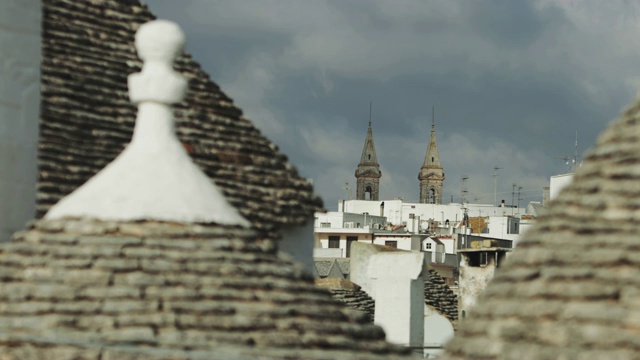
x=571 y=289
x=158 y=290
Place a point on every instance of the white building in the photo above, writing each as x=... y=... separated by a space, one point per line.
x=439 y=247
x=405 y=225
x=416 y=216
x=557 y=183
x=336 y=231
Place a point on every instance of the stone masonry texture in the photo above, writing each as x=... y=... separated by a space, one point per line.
x=438 y=295
x=152 y=290
x=571 y=290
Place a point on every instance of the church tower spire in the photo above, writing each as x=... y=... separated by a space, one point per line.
x=368 y=171
x=431 y=174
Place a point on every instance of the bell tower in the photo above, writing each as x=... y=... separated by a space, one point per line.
x=368 y=171
x=431 y=175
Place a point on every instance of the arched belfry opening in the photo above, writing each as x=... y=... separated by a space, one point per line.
x=432 y=196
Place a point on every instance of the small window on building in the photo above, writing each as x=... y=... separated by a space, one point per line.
x=478 y=259
x=433 y=159
x=393 y=244
x=334 y=242
x=325 y=225
x=427 y=246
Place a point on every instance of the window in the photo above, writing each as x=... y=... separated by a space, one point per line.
x=350 y=240
x=325 y=225
x=432 y=196
x=427 y=246
x=334 y=242
x=478 y=259
x=393 y=244
x=433 y=159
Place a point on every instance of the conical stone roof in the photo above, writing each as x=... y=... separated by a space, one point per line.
x=369 y=156
x=368 y=165
x=571 y=288
x=432 y=156
x=119 y=290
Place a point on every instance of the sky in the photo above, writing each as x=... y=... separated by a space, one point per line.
x=512 y=83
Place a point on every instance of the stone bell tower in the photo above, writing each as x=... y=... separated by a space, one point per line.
x=431 y=175
x=368 y=171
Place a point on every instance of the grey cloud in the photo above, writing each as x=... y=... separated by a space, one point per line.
x=511 y=81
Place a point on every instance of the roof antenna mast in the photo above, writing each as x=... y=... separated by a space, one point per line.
x=433 y=117
x=370 y=105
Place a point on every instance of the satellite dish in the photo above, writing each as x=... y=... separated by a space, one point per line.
x=424 y=224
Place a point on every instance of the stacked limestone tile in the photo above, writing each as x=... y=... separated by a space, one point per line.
x=350 y=294
x=84 y=289
x=571 y=290
x=439 y=296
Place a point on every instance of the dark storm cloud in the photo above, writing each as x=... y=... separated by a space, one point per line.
x=509 y=23
x=511 y=82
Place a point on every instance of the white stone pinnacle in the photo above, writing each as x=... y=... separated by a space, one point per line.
x=153 y=178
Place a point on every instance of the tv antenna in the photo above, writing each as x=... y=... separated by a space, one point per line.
x=571 y=162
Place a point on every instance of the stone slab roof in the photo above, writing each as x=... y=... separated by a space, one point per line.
x=332 y=267
x=436 y=293
x=439 y=296
x=350 y=294
x=151 y=289
x=86 y=117
x=570 y=289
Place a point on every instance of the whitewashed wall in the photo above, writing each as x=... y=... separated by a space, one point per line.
x=335 y=219
x=399 y=212
x=557 y=183
x=20 y=48
x=473 y=281
x=403 y=242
